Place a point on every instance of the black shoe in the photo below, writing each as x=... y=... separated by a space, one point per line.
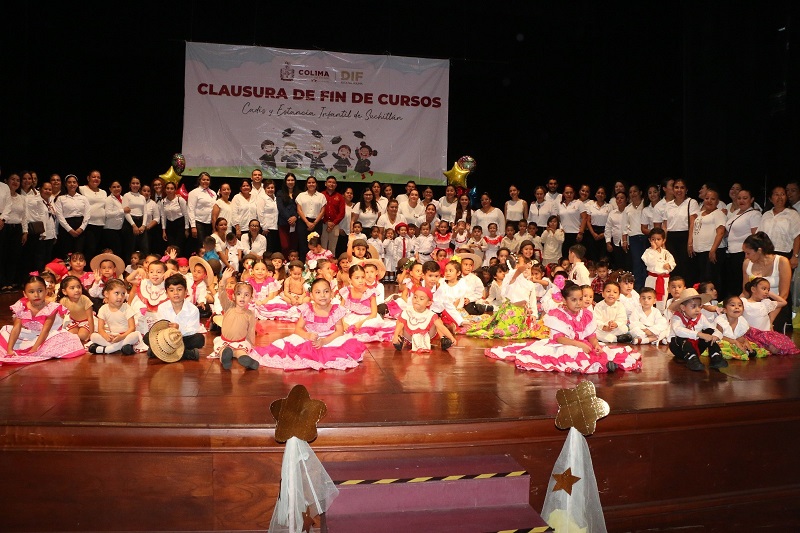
x=93 y=348
x=489 y=309
x=446 y=343
x=398 y=345
x=693 y=363
x=612 y=367
x=191 y=355
x=248 y=362
x=625 y=338
x=127 y=349
x=717 y=361
x=226 y=358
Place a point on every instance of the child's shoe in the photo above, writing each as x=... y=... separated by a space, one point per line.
x=693 y=363
x=717 y=361
x=248 y=362
x=127 y=349
x=226 y=358
x=446 y=343
x=625 y=338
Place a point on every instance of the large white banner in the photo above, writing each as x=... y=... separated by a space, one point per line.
x=357 y=117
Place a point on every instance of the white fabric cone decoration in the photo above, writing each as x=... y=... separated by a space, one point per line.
x=306 y=489
x=572 y=503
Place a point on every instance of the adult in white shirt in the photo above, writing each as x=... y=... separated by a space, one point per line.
x=742 y=222
x=13 y=234
x=762 y=261
x=268 y=216
x=392 y=217
x=175 y=219
x=365 y=211
x=93 y=241
x=117 y=233
x=793 y=193
x=782 y=225
x=154 y=242
x=377 y=190
x=552 y=191
x=709 y=232
x=584 y=193
x=570 y=219
x=680 y=214
x=431 y=217
x=199 y=205
x=310 y=210
x=541 y=210
x=426 y=197
x=138 y=217
x=732 y=208
x=412 y=210
x=411 y=185
x=448 y=204
x=244 y=207
x=597 y=212
x=344 y=225
x=252 y=241
x=516 y=208
x=661 y=206
x=487 y=214
x=41 y=208
x=633 y=239
x=223 y=207
x=612 y=233
x=72 y=210
x=651 y=215
x=258 y=187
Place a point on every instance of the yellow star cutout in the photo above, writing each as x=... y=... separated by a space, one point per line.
x=565 y=481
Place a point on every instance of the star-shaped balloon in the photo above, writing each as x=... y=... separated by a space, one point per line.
x=565 y=481
x=297 y=415
x=170 y=176
x=580 y=408
x=457 y=176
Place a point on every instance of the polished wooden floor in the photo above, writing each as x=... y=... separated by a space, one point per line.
x=115 y=411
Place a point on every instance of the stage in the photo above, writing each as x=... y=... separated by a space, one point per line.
x=112 y=442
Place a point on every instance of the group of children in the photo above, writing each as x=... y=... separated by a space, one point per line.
x=577 y=321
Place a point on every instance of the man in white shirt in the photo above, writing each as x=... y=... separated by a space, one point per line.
x=541 y=210
x=552 y=192
x=403 y=198
x=792 y=192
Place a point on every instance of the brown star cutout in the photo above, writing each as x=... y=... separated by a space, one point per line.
x=580 y=408
x=565 y=481
x=308 y=520
x=297 y=415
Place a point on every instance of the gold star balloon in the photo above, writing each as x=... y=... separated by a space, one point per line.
x=170 y=176
x=580 y=408
x=457 y=176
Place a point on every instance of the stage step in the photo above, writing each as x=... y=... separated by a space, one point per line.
x=473 y=493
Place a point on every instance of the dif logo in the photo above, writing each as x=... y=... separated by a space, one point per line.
x=351 y=76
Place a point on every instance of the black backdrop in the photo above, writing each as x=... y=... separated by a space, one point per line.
x=588 y=91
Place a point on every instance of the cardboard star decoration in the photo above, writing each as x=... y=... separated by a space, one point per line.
x=580 y=408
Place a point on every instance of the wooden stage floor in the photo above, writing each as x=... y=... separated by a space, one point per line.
x=456 y=402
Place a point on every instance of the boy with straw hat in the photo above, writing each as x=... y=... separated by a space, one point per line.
x=690 y=333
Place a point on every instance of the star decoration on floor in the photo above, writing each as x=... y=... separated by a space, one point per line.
x=565 y=481
x=308 y=520
x=580 y=408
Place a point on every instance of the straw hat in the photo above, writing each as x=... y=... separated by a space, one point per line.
x=166 y=342
x=378 y=263
x=119 y=264
x=197 y=260
x=476 y=260
x=688 y=294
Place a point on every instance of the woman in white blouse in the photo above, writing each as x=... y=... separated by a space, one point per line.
x=487 y=214
x=651 y=216
x=268 y=216
x=72 y=212
x=42 y=208
x=464 y=211
x=391 y=217
x=681 y=213
x=13 y=235
x=377 y=190
x=412 y=210
x=541 y=210
x=597 y=212
x=431 y=217
x=153 y=243
x=782 y=225
x=633 y=240
x=742 y=222
x=222 y=207
x=97 y=216
x=516 y=209
x=199 y=205
x=252 y=241
x=117 y=233
x=244 y=208
x=612 y=233
x=174 y=219
x=137 y=203
x=365 y=211
x=448 y=204
x=310 y=210
x=570 y=218
x=344 y=225
x=709 y=233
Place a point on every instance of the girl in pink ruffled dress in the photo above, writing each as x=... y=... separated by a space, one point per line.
x=319 y=341
x=572 y=346
x=37 y=333
x=363 y=321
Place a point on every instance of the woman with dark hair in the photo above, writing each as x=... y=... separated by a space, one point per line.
x=464 y=210
x=487 y=214
x=782 y=224
x=681 y=213
x=570 y=218
x=709 y=232
x=310 y=210
x=154 y=243
x=651 y=217
x=157 y=189
x=597 y=212
x=761 y=261
x=97 y=215
x=516 y=208
x=72 y=209
x=199 y=204
x=379 y=198
x=244 y=208
x=57 y=186
x=41 y=208
x=344 y=225
x=136 y=202
x=743 y=221
x=365 y=211
x=633 y=240
x=388 y=192
x=612 y=234
x=223 y=207
x=287 y=214
x=541 y=210
x=13 y=234
x=427 y=197
x=268 y=215
x=253 y=242
x=585 y=193
x=117 y=232
x=174 y=219
x=392 y=217
x=620 y=186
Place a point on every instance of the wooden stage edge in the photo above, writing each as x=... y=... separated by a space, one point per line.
x=112 y=443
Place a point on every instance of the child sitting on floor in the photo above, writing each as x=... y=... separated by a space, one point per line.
x=116 y=326
x=238 y=330
x=734 y=328
x=416 y=323
x=691 y=333
x=80 y=319
x=648 y=325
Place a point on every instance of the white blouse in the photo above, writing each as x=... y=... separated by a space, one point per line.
x=740 y=227
x=651 y=216
x=311 y=205
x=782 y=228
x=515 y=210
x=199 y=205
x=97 y=205
x=243 y=211
x=368 y=217
x=152 y=212
x=633 y=220
x=705 y=230
x=599 y=214
x=226 y=209
x=479 y=218
x=173 y=210
x=615 y=226
x=136 y=202
x=570 y=216
x=115 y=213
x=413 y=215
x=447 y=210
x=268 y=212
x=677 y=216
x=539 y=213
x=69 y=206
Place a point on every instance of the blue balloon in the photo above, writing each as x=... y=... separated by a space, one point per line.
x=474 y=198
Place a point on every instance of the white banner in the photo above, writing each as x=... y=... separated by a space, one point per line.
x=357 y=117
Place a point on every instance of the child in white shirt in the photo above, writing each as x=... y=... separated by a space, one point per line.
x=648 y=325
x=612 y=323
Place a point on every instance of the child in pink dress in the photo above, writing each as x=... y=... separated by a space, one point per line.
x=319 y=341
x=363 y=321
x=37 y=333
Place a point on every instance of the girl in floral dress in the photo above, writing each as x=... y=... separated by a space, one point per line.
x=319 y=341
x=37 y=333
x=734 y=328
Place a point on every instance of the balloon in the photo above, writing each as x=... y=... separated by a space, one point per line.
x=474 y=198
x=178 y=163
x=467 y=162
x=183 y=192
x=457 y=176
x=170 y=176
